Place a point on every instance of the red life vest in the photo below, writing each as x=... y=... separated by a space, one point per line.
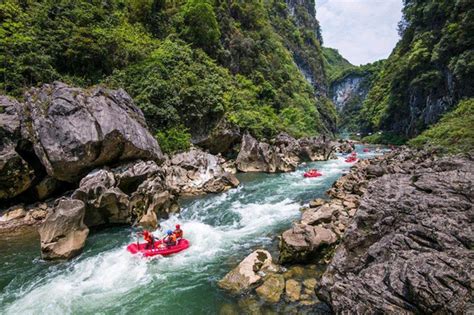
x=178 y=233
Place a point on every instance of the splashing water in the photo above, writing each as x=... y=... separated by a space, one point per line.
x=222 y=229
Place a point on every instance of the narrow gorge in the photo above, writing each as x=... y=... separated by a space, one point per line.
x=304 y=184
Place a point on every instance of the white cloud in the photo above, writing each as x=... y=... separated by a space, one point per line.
x=362 y=30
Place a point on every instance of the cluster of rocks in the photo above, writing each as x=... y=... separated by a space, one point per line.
x=283 y=153
x=270 y=283
x=396 y=236
x=324 y=222
x=97 y=143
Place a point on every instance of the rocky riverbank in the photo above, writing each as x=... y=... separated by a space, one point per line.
x=90 y=151
x=396 y=236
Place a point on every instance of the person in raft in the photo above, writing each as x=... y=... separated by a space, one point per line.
x=149 y=239
x=170 y=239
x=178 y=232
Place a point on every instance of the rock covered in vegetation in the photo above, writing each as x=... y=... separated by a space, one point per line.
x=405 y=100
x=247 y=273
x=16 y=175
x=409 y=247
x=74 y=130
x=63 y=233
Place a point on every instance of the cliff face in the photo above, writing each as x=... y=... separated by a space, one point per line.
x=307 y=54
x=429 y=70
x=348 y=90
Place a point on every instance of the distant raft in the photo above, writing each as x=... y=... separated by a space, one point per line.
x=312 y=173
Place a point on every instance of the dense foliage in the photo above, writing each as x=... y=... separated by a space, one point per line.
x=428 y=72
x=335 y=64
x=186 y=63
x=453 y=133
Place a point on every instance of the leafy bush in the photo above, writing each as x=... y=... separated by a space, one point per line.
x=175 y=139
x=201 y=25
x=384 y=138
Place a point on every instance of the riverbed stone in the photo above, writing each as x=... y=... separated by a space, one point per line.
x=272 y=288
x=246 y=274
x=293 y=290
x=310 y=284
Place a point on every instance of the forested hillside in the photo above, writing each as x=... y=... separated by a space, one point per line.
x=428 y=73
x=189 y=65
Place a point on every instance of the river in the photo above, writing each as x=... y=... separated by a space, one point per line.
x=106 y=279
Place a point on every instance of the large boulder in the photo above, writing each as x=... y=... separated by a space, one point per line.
x=196 y=172
x=105 y=203
x=303 y=242
x=247 y=274
x=255 y=156
x=16 y=175
x=409 y=247
x=63 y=234
x=221 y=140
x=153 y=199
x=75 y=130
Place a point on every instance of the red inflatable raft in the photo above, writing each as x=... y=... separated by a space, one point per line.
x=312 y=173
x=351 y=159
x=159 y=249
x=366 y=150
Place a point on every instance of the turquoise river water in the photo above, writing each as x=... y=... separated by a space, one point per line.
x=106 y=279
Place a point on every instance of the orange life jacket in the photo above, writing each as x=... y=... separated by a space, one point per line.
x=178 y=233
x=170 y=239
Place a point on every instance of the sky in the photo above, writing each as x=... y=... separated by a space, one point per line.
x=362 y=30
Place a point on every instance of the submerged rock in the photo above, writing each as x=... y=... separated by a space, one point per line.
x=63 y=234
x=293 y=290
x=246 y=274
x=272 y=288
x=75 y=130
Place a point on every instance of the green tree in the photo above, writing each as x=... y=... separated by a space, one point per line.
x=201 y=27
